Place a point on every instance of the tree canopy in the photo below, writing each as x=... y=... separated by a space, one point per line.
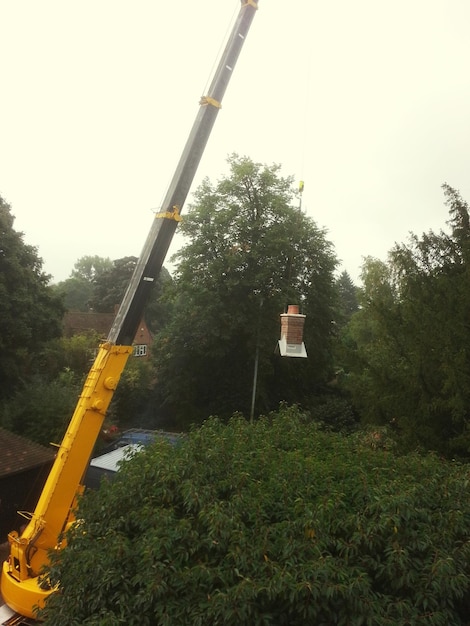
x=249 y=253
x=409 y=343
x=30 y=311
x=110 y=285
x=77 y=290
x=348 y=302
x=90 y=267
x=99 y=284
x=273 y=523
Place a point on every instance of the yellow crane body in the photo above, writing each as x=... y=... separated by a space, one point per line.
x=20 y=585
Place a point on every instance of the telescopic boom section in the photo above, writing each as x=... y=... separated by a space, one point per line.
x=28 y=551
x=163 y=228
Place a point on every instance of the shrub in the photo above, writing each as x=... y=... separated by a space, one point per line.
x=275 y=523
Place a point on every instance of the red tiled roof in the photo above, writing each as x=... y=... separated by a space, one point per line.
x=19 y=454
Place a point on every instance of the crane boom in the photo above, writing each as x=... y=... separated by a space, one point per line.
x=20 y=585
x=161 y=233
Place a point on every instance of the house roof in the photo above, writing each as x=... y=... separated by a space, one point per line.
x=20 y=454
x=76 y=322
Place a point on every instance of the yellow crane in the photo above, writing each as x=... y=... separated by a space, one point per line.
x=20 y=583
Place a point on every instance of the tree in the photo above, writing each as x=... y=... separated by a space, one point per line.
x=99 y=284
x=269 y=523
x=75 y=354
x=43 y=413
x=249 y=254
x=109 y=287
x=77 y=290
x=30 y=312
x=91 y=267
x=76 y=293
x=347 y=297
x=133 y=401
x=410 y=362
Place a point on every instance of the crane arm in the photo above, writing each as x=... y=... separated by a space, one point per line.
x=163 y=228
x=20 y=585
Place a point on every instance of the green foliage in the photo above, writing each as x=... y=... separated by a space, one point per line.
x=99 y=284
x=76 y=293
x=249 y=253
x=77 y=290
x=88 y=268
x=43 y=412
x=131 y=406
x=75 y=354
x=41 y=409
x=333 y=412
x=159 y=312
x=409 y=344
x=110 y=285
x=348 y=301
x=274 y=523
x=30 y=312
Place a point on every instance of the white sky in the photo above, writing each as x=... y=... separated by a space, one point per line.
x=368 y=102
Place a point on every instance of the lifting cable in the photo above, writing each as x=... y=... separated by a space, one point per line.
x=163 y=211
x=222 y=45
x=292 y=320
x=303 y=151
x=291 y=257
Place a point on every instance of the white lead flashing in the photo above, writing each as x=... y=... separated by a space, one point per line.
x=292 y=349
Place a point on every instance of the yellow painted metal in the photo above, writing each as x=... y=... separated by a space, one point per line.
x=171 y=215
x=28 y=551
x=208 y=100
x=25 y=597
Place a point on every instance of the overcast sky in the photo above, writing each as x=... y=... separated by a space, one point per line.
x=368 y=102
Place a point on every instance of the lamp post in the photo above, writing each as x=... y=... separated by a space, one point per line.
x=255 y=369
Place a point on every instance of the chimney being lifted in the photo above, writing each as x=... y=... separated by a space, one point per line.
x=292 y=329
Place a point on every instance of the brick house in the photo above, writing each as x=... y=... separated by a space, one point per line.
x=78 y=322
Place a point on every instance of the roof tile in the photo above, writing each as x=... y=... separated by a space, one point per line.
x=20 y=454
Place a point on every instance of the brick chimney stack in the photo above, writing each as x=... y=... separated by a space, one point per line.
x=292 y=330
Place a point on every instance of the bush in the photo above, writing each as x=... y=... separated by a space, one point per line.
x=334 y=413
x=275 y=523
x=42 y=411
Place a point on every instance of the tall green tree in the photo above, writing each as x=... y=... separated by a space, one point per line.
x=110 y=285
x=90 y=267
x=412 y=336
x=99 y=284
x=348 y=305
x=76 y=293
x=30 y=311
x=77 y=290
x=348 y=302
x=249 y=253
